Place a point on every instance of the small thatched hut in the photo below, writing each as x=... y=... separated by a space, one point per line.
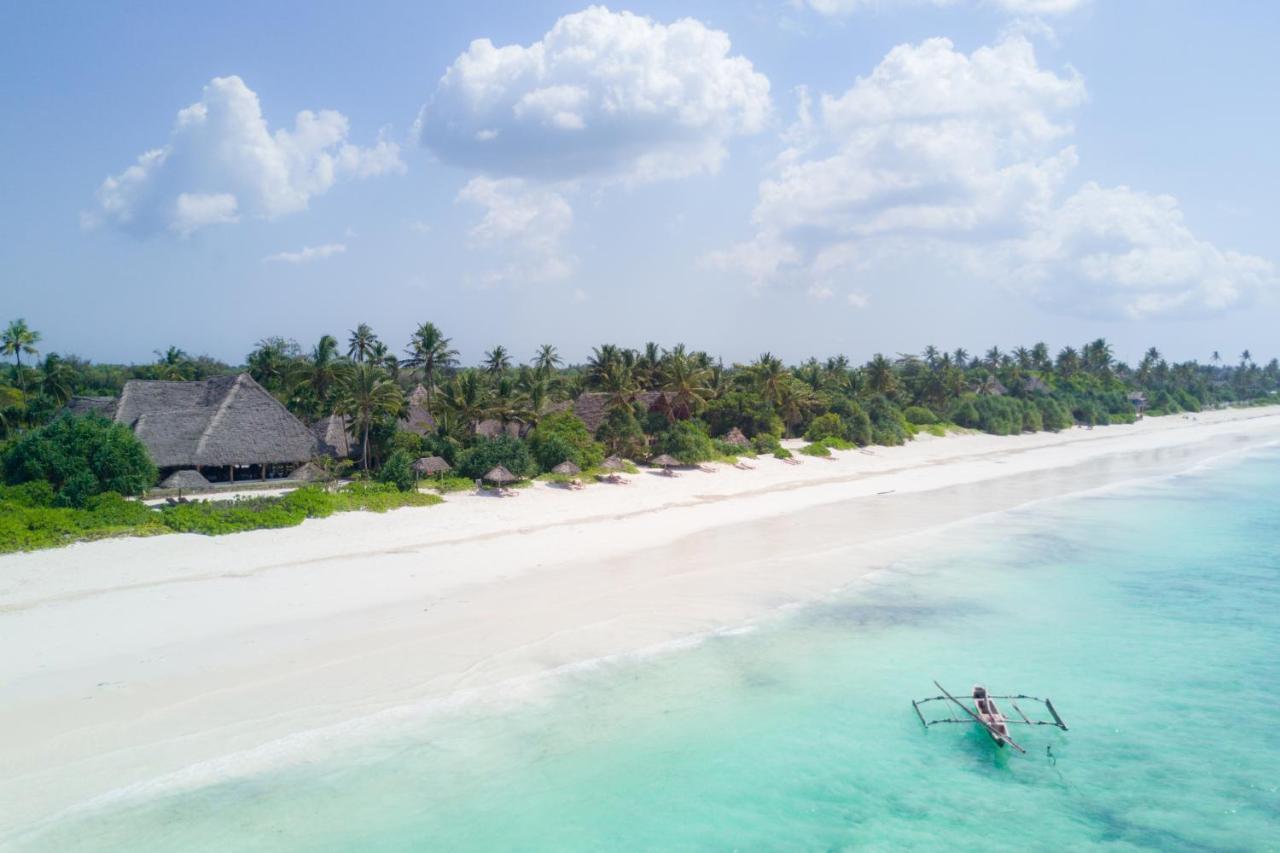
x=309 y=472
x=613 y=463
x=566 y=467
x=666 y=460
x=186 y=480
x=737 y=438
x=430 y=465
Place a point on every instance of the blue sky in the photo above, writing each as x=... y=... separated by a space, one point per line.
x=810 y=178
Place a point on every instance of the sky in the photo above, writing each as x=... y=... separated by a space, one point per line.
x=807 y=177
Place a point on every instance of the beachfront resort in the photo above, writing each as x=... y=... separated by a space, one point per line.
x=358 y=420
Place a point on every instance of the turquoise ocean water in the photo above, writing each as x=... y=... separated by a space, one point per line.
x=1150 y=614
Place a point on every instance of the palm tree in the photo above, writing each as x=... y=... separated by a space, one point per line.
x=57 y=379
x=547 y=359
x=1068 y=362
x=430 y=353
x=769 y=376
x=466 y=396
x=686 y=382
x=1245 y=358
x=619 y=383
x=321 y=374
x=361 y=342
x=174 y=364
x=992 y=358
x=602 y=359
x=961 y=355
x=269 y=362
x=367 y=395
x=497 y=360
x=880 y=376
x=16 y=341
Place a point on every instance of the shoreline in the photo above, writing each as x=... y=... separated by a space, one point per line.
x=132 y=659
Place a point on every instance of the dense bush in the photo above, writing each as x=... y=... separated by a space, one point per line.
x=481 y=457
x=687 y=441
x=621 y=435
x=888 y=426
x=398 y=471
x=745 y=411
x=825 y=426
x=919 y=415
x=80 y=457
x=563 y=436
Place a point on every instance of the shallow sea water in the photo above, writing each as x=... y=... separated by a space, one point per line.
x=1150 y=614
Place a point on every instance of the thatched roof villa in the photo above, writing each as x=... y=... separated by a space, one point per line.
x=334 y=437
x=419 y=420
x=225 y=428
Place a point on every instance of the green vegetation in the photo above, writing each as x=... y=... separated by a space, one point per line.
x=639 y=403
x=80 y=458
x=29 y=519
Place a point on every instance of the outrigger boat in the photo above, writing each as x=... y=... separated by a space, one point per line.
x=987 y=714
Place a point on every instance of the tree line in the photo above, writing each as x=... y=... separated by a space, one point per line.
x=654 y=399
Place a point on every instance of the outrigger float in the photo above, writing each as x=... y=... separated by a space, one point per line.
x=986 y=714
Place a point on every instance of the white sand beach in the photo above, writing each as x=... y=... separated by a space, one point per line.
x=129 y=660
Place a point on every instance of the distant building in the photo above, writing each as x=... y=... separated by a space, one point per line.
x=225 y=428
x=334 y=438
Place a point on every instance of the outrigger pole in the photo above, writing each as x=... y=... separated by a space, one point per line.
x=990 y=728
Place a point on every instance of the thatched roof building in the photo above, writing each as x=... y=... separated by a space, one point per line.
x=186 y=480
x=1035 y=385
x=220 y=423
x=334 y=438
x=737 y=438
x=592 y=406
x=419 y=419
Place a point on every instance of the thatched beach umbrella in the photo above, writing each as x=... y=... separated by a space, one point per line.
x=566 y=467
x=500 y=475
x=186 y=479
x=665 y=461
x=431 y=465
x=613 y=463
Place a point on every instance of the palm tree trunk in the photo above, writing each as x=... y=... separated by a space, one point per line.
x=364 y=445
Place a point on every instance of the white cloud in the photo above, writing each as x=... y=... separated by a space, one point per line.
x=842 y=8
x=526 y=224
x=604 y=94
x=959 y=162
x=222 y=163
x=857 y=300
x=932 y=142
x=308 y=254
x=1119 y=252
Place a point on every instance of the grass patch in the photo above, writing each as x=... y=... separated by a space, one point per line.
x=816 y=449
x=26 y=524
x=445 y=485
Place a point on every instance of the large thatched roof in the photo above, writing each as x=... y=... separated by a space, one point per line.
x=186 y=479
x=432 y=465
x=105 y=406
x=592 y=406
x=227 y=420
x=334 y=438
